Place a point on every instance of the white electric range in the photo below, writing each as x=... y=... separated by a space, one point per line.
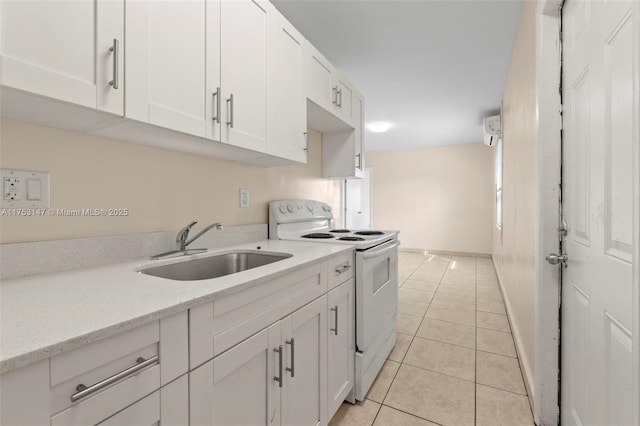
x=376 y=277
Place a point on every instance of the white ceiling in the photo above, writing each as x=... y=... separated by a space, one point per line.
x=432 y=68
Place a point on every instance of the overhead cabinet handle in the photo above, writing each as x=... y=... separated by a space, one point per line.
x=335 y=95
x=216 y=103
x=339 y=96
x=84 y=391
x=115 y=49
x=230 y=110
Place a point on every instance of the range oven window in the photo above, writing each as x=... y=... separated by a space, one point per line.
x=380 y=274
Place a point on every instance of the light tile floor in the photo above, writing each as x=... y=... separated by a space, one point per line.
x=454 y=362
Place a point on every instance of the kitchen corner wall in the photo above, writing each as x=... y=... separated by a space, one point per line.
x=514 y=247
x=163 y=190
x=440 y=198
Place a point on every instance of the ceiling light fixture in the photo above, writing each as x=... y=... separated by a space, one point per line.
x=379 y=127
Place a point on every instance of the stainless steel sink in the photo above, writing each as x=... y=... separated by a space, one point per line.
x=215 y=266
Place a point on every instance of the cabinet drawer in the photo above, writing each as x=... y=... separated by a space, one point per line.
x=340 y=269
x=217 y=326
x=135 y=363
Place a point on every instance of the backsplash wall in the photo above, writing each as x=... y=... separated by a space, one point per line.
x=162 y=190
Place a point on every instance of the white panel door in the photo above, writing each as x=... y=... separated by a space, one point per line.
x=304 y=335
x=60 y=49
x=244 y=73
x=286 y=102
x=165 y=59
x=341 y=345
x=597 y=294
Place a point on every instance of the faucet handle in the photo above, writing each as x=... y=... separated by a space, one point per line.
x=182 y=235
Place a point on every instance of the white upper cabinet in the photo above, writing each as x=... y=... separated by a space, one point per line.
x=243 y=75
x=286 y=104
x=320 y=77
x=65 y=50
x=165 y=58
x=327 y=88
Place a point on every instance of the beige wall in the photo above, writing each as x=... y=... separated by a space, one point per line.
x=162 y=189
x=514 y=248
x=440 y=198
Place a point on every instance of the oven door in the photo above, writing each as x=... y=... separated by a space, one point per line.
x=376 y=293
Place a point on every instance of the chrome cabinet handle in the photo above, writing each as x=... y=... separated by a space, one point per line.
x=306 y=142
x=335 y=95
x=230 y=109
x=359 y=157
x=292 y=369
x=278 y=378
x=339 y=93
x=216 y=102
x=335 y=318
x=114 y=50
x=345 y=268
x=84 y=391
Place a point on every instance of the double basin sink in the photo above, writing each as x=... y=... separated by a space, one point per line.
x=205 y=268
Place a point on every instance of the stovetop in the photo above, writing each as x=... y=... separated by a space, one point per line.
x=307 y=220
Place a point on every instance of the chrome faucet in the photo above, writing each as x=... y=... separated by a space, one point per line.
x=183 y=240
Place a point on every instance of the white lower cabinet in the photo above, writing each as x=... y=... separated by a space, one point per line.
x=277 y=376
x=137 y=377
x=341 y=345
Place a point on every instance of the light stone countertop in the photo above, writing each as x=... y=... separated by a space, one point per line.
x=45 y=315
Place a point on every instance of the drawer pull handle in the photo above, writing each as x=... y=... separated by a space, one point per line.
x=84 y=391
x=335 y=312
x=292 y=369
x=278 y=378
x=344 y=268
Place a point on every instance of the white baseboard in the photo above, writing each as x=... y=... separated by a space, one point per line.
x=446 y=252
x=525 y=365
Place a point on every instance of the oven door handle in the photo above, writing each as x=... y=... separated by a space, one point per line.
x=384 y=248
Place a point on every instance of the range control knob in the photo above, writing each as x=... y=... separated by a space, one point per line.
x=283 y=209
x=290 y=208
x=310 y=207
x=326 y=208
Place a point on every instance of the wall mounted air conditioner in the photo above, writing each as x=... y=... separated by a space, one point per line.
x=492 y=129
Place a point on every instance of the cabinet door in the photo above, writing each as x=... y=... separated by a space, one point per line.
x=286 y=103
x=238 y=386
x=304 y=394
x=60 y=49
x=343 y=100
x=358 y=134
x=243 y=73
x=213 y=97
x=166 y=64
x=165 y=407
x=341 y=345
x=320 y=76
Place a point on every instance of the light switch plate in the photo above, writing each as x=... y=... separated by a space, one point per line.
x=23 y=189
x=244 y=198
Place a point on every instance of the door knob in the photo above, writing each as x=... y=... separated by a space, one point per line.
x=555 y=259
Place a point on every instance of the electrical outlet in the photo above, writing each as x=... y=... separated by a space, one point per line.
x=244 y=198
x=11 y=188
x=24 y=189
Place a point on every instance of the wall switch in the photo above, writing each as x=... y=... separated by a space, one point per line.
x=244 y=197
x=24 y=189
